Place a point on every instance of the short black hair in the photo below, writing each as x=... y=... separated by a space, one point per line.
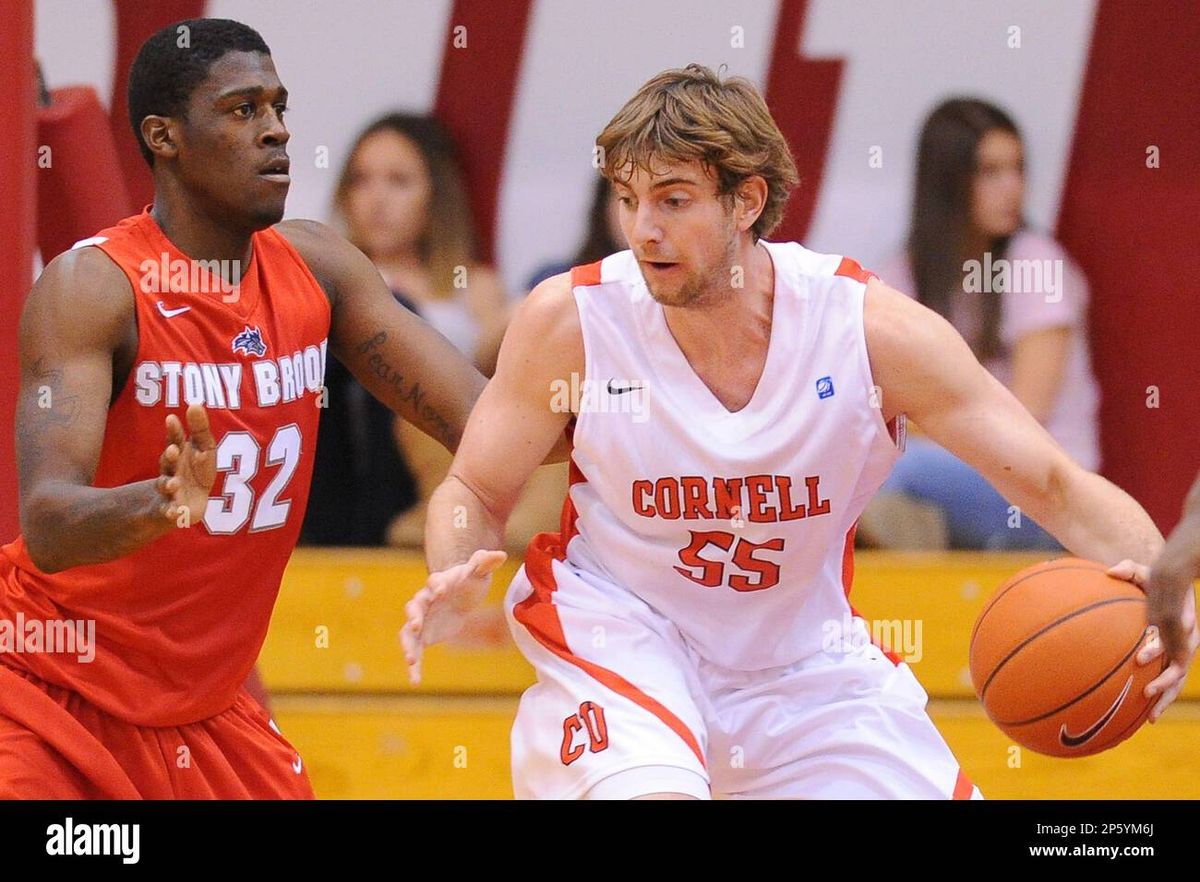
x=175 y=60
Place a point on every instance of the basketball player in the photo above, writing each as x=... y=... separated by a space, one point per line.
x=163 y=564
x=739 y=402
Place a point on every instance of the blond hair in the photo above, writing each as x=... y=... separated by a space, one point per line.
x=688 y=114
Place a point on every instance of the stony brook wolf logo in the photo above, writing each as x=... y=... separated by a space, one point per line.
x=250 y=341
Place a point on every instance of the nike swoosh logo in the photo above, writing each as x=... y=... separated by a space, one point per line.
x=1069 y=740
x=162 y=307
x=297 y=765
x=619 y=391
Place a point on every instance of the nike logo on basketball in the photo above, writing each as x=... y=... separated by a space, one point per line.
x=162 y=307
x=617 y=390
x=1093 y=730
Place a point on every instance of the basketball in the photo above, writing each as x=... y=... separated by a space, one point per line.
x=1053 y=658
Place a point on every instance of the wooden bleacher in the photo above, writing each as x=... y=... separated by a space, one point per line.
x=340 y=690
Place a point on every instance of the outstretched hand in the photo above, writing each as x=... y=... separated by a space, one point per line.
x=187 y=468
x=438 y=611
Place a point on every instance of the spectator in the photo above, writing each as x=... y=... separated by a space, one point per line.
x=1018 y=300
x=402 y=200
x=404 y=203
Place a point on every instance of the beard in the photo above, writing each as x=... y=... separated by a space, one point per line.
x=709 y=284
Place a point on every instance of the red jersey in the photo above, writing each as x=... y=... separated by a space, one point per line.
x=179 y=623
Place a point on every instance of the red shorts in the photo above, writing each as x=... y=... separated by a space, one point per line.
x=54 y=744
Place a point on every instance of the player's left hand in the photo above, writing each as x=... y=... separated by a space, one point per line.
x=1171 y=614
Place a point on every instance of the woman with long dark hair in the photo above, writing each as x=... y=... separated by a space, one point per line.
x=1017 y=299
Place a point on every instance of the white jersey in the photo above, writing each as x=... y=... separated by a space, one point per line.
x=737 y=527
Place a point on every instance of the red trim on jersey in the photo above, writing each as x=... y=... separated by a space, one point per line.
x=539 y=615
x=962 y=786
x=854 y=270
x=848 y=579
x=588 y=274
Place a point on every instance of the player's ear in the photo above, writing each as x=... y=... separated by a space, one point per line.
x=750 y=198
x=159 y=135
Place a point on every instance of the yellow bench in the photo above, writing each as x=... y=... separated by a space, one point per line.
x=340 y=691
x=336 y=624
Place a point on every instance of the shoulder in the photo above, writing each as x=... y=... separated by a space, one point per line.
x=889 y=313
x=82 y=282
x=796 y=262
x=545 y=336
x=550 y=307
x=311 y=238
x=913 y=352
x=84 y=266
x=329 y=256
x=900 y=330
x=89 y=280
x=545 y=271
x=896 y=270
x=792 y=257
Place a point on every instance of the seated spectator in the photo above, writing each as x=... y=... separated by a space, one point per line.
x=1021 y=304
x=402 y=200
x=404 y=204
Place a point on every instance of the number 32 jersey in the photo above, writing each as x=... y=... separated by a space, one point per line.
x=737 y=526
x=179 y=623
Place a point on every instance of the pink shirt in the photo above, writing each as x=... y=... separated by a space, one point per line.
x=1059 y=298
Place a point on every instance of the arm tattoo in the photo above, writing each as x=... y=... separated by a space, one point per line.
x=405 y=394
x=58 y=409
x=45 y=406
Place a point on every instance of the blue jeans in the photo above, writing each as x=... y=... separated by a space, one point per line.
x=978 y=517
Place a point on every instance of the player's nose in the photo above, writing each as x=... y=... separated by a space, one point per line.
x=275 y=132
x=645 y=228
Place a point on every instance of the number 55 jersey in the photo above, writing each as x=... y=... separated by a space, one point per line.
x=735 y=526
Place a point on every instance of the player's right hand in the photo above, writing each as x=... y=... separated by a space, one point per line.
x=187 y=467
x=438 y=611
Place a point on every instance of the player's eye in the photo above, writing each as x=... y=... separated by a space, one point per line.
x=627 y=201
x=244 y=110
x=677 y=201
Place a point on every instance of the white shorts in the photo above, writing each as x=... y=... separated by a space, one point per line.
x=620 y=698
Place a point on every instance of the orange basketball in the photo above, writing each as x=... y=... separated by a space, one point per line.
x=1054 y=658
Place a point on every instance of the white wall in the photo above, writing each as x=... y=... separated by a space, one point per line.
x=347 y=61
